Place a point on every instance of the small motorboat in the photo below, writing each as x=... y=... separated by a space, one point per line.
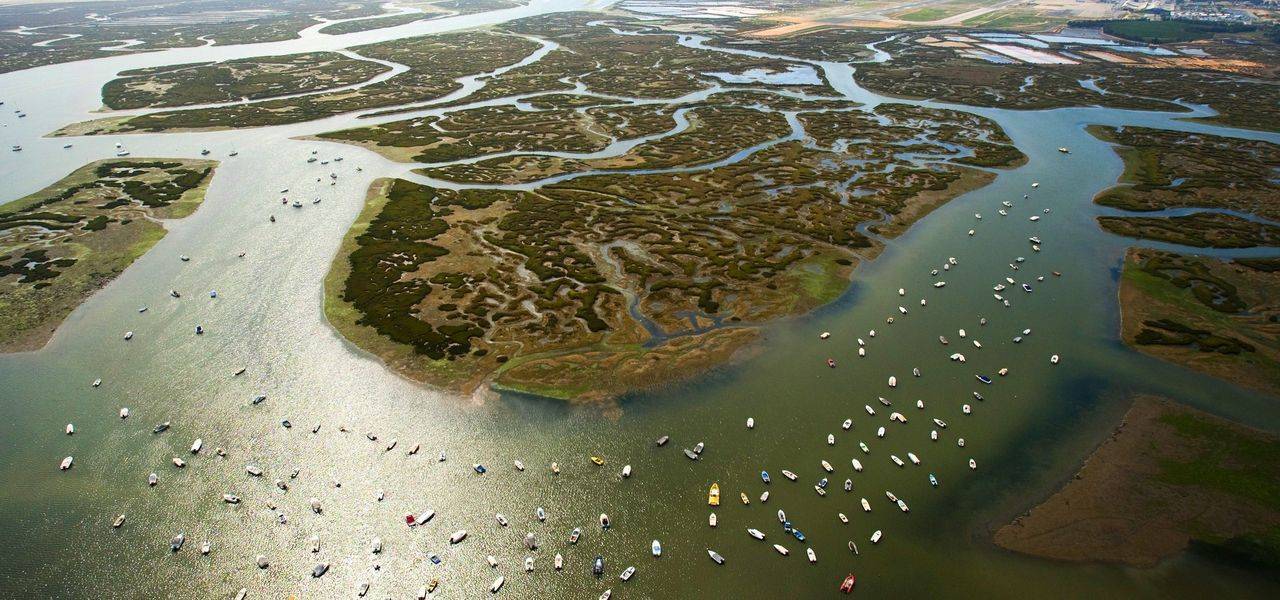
x=413 y=450
x=826 y=466
x=711 y=520
x=789 y=475
x=764 y=476
x=903 y=506
x=719 y=560
x=559 y=562
x=847 y=424
x=574 y=535
x=781 y=549
x=848 y=485
x=176 y=543
x=655 y=548
x=857 y=465
x=528 y=564
x=866 y=506
x=118 y=522
x=153 y=479
x=745 y=500
x=821 y=492
x=597 y=461
x=831 y=439
x=691 y=454
x=764 y=497
x=604 y=521
x=973 y=464
x=502 y=520
x=66 y=463
x=626 y=574
x=983 y=379
x=893 y=381
x=178 y=462
x=863 y=446
x=479 y=468
x=597 y=566
x=253 y=470
x=555 y=469
x=896 y=460
x=1053 y=360
x=197 y=445
x=662 y=441
x=755 y=533
x=846 y=586
x=813 y=556
x=843 y=518
x=541 y=514
x=915 y=460
x=626 y=471
x=831 y=362
x=797 y=534
x=782 y=516
x=933 y=481
x=497 y=584
x=458 y=536
x=751 y=423
x=875 y=537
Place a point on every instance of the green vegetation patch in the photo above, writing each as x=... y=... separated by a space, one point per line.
x=1167 y=31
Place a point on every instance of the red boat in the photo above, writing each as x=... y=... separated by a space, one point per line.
x=831 y=362
x=847 y=586
x=410 y=520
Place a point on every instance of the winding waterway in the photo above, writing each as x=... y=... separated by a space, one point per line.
x=1033 y=428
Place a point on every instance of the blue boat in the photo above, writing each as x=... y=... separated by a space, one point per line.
x=822 y=483
x=786 y=526
x=933 y=481
x=435 y=559
x=479 y=468
x=984 y=379
x=764 y=475
x=799 y=536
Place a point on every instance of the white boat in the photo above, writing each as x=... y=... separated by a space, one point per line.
x=196 y=446
x=866 y=506
x=893 y=381
x=497 y=584
x=847 y=424
x=559 y=562
x=781 y=550
x=764 y=497
x=915 y=460
x=896 y=460
x=857 y=465
x=71 y=429
x=626 y=574
x=863 y=446
x=178 y=462
x=626 y=471
x=782 y=516
x=152 y=479
x=966 y=409
x=655 y=548
x=118 y=522
x=711 y=520
x=842 y=517
x=960 y=442
x=903 y=505
x=719 y=560
x=128 y=335
x=821 y=492
x=66 y=463
x=824 y=335
x=973 y=464
x=528 y=564
x=502 y=520
x=541 y=514
x=606 y=594
x=124 y=413
x=870 y=411
x=789 y=475
x=253 y=470
x=755 y=533
x=831 y=439
x=751 y=423
x=880 y=432
x=1054 y=359
x=813 y=557
x=458 y=536
x=875 y=537
x=826 y=466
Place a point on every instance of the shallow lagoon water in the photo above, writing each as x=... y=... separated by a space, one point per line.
x=1027 y=436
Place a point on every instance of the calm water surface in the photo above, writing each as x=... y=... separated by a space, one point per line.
x=1027 y=436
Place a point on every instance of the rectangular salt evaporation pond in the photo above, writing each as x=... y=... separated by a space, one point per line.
x=705 y=10
x=1071 y=39
x=1028 y=55
x=1144 y=50
x=796 y=75
x=987 y=56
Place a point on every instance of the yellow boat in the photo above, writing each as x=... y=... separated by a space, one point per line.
x=713 y=497
x=744 y=497
x=596 y=459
